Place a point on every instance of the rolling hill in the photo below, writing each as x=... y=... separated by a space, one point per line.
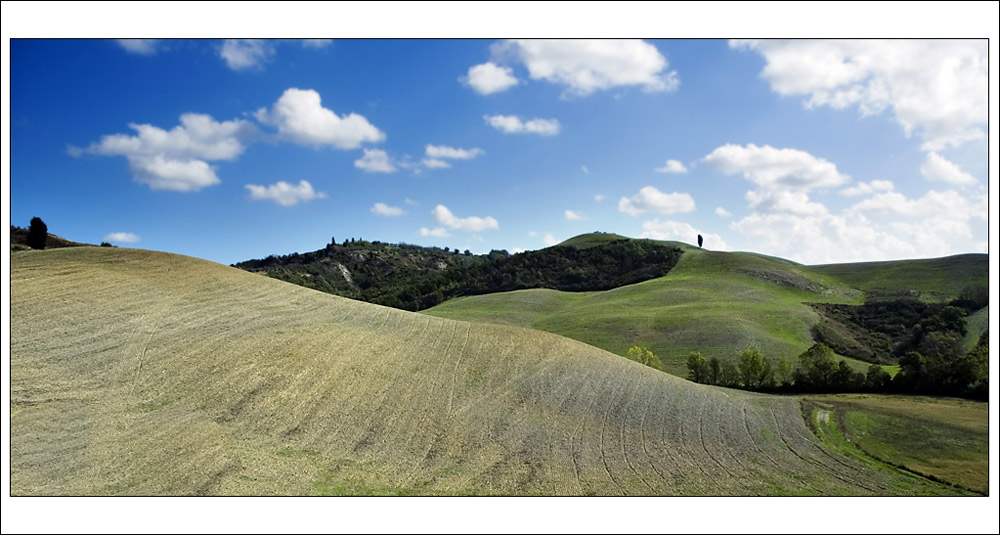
x=717 y=303
x=144 y=373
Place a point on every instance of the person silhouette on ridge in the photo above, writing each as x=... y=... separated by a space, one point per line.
x=699 y=240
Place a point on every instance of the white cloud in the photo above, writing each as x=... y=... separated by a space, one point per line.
x=375 y=161
x=650 y=199
x=585 y=170
x=410 y=202
x=573 y=216
x=778 y=201
x=722 y=212
x=121 y=237
x=600 y=197
x=588 y=65
x=549 y=240
x=444 y=216
x=161 y=173
x=773 y=168
x=516 y=250
x=680 y=231
x=935 y=88
x=488 y=78
x=382 y=209
x=936 y=168
x=316 y=43
x=143 y=47
x=867 y=188
x=284 y=193
x=434 y=163
x=451 y=153
x=176 y=159
x=439 y=232
x=301 y=118
x=241 y=54
x=887 y=226
x=512 y=124
x=532 y=233
x=672 y=166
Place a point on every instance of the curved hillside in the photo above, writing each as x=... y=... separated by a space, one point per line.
x=933 y=279
x=714 y=302
x=144 y=373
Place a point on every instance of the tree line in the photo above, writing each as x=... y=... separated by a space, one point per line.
x=938 y=367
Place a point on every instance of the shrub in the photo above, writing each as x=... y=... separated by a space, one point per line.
x=644 y=356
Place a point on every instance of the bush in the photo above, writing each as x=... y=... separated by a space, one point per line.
x=644 y=356
x=38 y=233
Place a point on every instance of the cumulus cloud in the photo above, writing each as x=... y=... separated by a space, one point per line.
x=301 y=118
x=382 y=209
x=176 y=159
x=935 y=88
x=722 y=212
x=316 y=43
x=143 y=47
x=584 y=66
x=284 y=193
x=867 y=188
x=439 y=232
x=442 y=215
x=488 y=78
x=512 y=124
x=680 y=231
x=672 y=166
x=886 y=226
x=791 y=202
x=773 y=168
x=573 y=216
x=549 y=240
x=938 y=169
x=451 y=153
x=375 y=161
x=650 y=199
x=121 y=237
x=242 y=54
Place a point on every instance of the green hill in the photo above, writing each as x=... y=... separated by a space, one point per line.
x=717 y=303
x=714 y=302
x=143 y=373
x=414 y=278
x=930 y=279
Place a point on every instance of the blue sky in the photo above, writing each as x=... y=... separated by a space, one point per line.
x=816 y=151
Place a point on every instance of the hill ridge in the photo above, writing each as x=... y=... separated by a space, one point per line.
x=146 y=373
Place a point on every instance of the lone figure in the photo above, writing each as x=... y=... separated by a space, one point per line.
x=700 y=240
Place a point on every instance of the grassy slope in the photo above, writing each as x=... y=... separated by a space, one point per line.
x=937 y=279
x=941 y=437
x=136 y=372
x=714 y=302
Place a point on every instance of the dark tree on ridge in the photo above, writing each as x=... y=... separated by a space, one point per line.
x=38 y=233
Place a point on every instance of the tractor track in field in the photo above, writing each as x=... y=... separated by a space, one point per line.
x=621 y=433
x=604 y=450
x=643 y=441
